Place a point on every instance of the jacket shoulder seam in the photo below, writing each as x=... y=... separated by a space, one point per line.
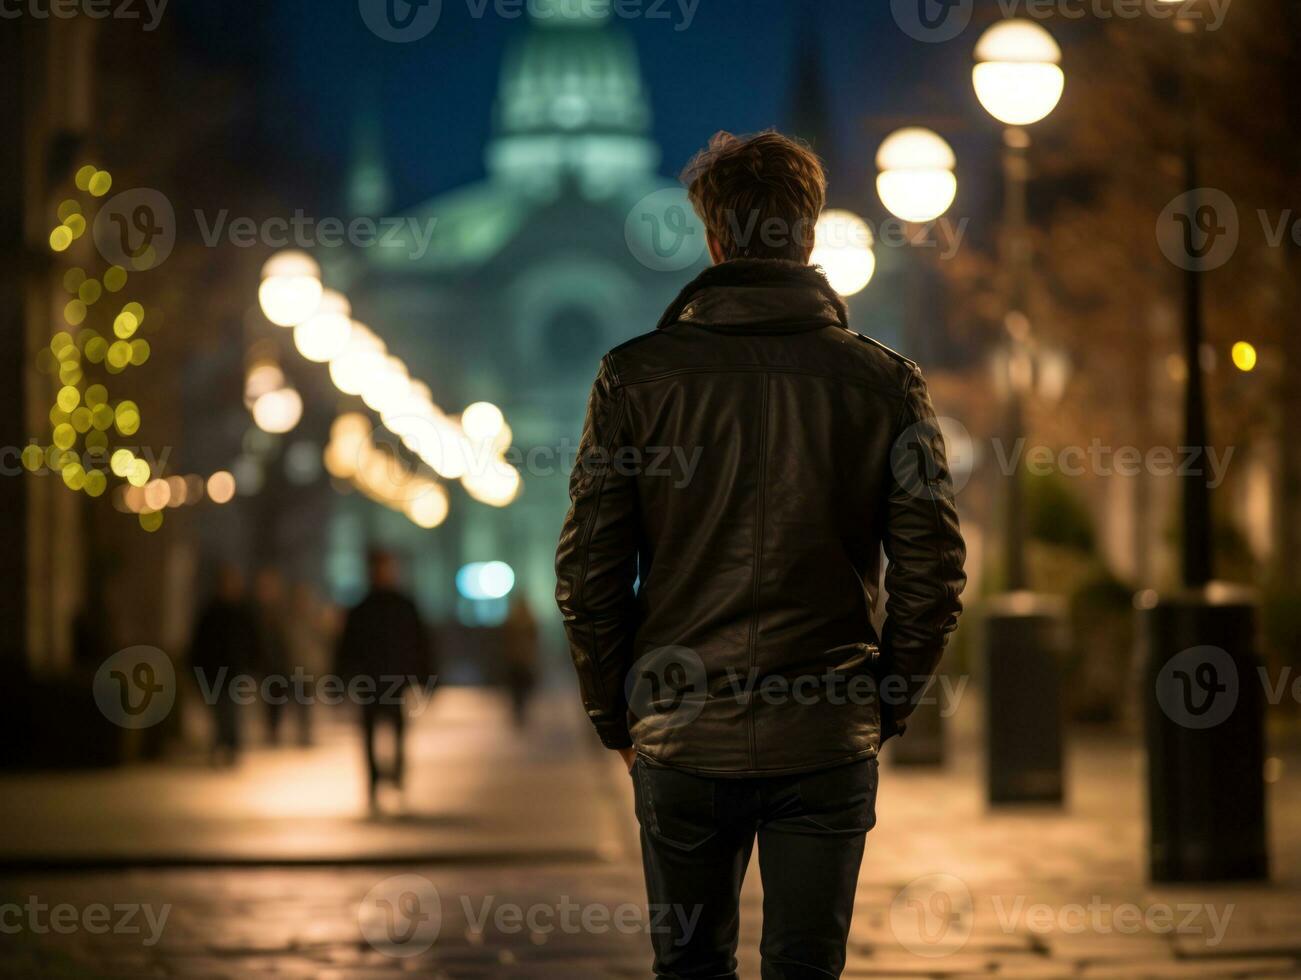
x=633 y=342
x=888 y=351
x=771 y=369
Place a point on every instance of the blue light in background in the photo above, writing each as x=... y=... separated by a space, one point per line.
x=485 y=580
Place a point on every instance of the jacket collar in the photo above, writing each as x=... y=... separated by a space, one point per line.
x=758 y=293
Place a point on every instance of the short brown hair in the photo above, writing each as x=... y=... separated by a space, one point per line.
x=759 y=196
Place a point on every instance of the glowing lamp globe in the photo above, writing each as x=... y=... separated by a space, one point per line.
x=496 y=485
x=291 y=288
x=324 y=335
x=916 y=180
x=362 y=356
x=843 y=249
x=278 y=411
x=445 y=450
x=482 y=421
x=387 y=385
x=262 y=377
x=428 y=509
x=1018 y=75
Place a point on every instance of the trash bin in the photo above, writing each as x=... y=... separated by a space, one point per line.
x=1024 y=649
x=1204 y=724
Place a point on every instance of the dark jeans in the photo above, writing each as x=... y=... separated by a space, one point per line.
x=697 y=833
x=372 y=716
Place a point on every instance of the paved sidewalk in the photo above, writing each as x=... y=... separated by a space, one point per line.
x=477 y=790
x=948 y=888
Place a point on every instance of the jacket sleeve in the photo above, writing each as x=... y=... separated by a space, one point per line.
x=596 y=563
x=923 y=543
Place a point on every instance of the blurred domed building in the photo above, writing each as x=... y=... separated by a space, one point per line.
x=571 y=244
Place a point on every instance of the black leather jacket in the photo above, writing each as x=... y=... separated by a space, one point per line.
x=741 y=468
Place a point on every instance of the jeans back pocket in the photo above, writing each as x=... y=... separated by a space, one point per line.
x=674 y=806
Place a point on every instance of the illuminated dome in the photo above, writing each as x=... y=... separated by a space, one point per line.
x=571 y=101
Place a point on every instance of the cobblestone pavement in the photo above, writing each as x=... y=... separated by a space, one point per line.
x=948 y=889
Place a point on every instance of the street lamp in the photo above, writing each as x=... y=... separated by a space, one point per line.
x=1018 y=75
x=324 y=335
x=916 y=181
x=1019 y=80
x=291 y=288
x=278 y=411
x=843 y=248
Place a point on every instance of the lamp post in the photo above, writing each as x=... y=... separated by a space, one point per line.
x=916 y=183
x=1197 y=565
x=1019 y=81
x=1203 y=706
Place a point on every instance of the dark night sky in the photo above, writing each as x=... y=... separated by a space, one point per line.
x=315 y=61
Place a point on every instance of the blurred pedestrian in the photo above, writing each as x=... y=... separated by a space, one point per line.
x=308 y=635
x=384 y=645
x=225 y=643
x=273 y=667
x=520 y=653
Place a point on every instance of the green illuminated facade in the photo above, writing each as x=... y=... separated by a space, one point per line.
x=530 y=276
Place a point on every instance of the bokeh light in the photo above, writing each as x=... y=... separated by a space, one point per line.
x=844 y=251
x=1018 y=78
x=291 y=288
x=916 y=180
x=221 y=487
x=324 y=335
x=278 y=411
x=485 y=580
x=1244 y=356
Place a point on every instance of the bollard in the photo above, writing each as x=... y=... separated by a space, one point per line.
x=1024 y=647
x=1204 y=721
